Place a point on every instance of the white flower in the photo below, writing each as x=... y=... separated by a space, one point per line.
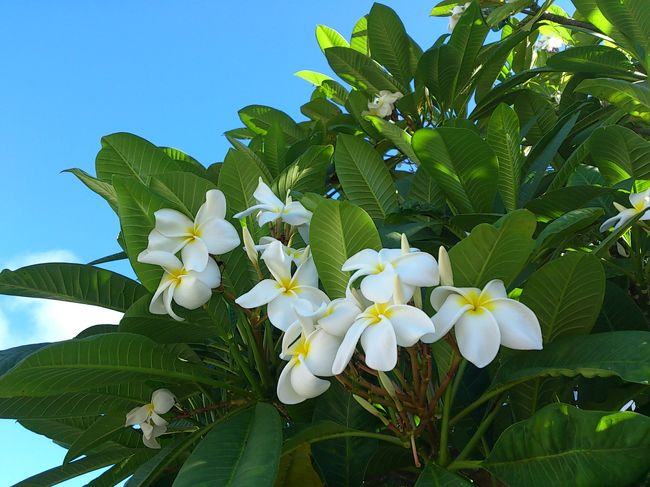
x=272 y=208
x=383 y=104
x=640 y=204
x=381 y=328
x=285 y=290
x=456 y=13
x=310 y=351
x=148 y=416
x=297 y=256
x=210 y=233
x=334 y=317
x=484 y=320
x=550 y=44
x=414 y=268
x=189 y=289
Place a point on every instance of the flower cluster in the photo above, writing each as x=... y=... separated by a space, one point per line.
x=189 y=281
x=383 y=104
x=148 y=418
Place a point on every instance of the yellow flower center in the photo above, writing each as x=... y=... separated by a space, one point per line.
x=302 y=348
x=194 y=232
x=642 y=205
x=176 y=275
x=478 y=301
x=377 y=312
x=380 y=267
x=288 y=287
x=150 y=409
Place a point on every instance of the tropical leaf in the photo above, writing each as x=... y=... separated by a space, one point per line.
x=307 y=173
x=620 y=154
x=602 y=60
x=360 y=71
x=567 y=225
x=389 y=43
x=631 y=98
x=62 y=405
x=96 y=434
x=186 y=190
x=102 y=188
x=328 y=37
x=436 y=476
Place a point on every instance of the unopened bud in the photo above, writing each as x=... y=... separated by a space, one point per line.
x=387 y=384
x=249 y=246
x=371 y=409
x=406 y=247
x=444 y=267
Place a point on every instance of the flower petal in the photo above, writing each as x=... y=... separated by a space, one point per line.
x=290 y=339
x=137 y=415
x=219 y=236
x=163 y=400
x=195 y=255
x=367 y=258
x=478 y=337
x=306 y=274
x=172 y=223
x=296 y=214
x=157 y=241
x=262 y=293
x=625 y=216
x=349 y=344
x=248 y=211
x=444 y=267
x=313 y=295
x=607 y=224
x=281 y=312
x=379 y=287
x=417 y=269
x=157 y=420
x=264 y=195
x=267 y=216
x=518 y=324
x=410 y=324
x=214 y=207
x=380 y=346
x=448 y=314
x=151 y=442
x=157 y=306
x=147 y=430
x=165 y=260
x=439 y=295
x=641 y=200
x=210 y=276
x=277 y=262
x=322 y=351
x=168 y=295
x=342 y=315
x=305 y=383
x=285 y=391
x=192 y=293
x=303 y=230
x=495 y=289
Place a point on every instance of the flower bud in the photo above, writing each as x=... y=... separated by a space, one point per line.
x=371 y=409
x=444 y=265
x=249 y=246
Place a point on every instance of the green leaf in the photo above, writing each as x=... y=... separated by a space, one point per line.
x=136 y=207
x=124 y=154
x=80 y=365
x=110 y=258
x=68 y=471
x=389 y=44
x=307 y=173
x=497 y=251
x=400 y=138
x=563 y=445
x=102 y=188
x=566 y=295
x=424 y=189
x=343 y=462
x=620 y=311
x=122 y=470
x=359 y=38
x=556 y=203
x=623 y=354
x=63 y=406
x=462 y=164
x=238 y=179
x=437 y=70
x=296 y=470
x=504 y=138
x=633 y=99
x=259 y=119
x=364 y=176
x=313 y=77
x=436 y=476
x=76 y=283
x=96 y=434
x=186 y=190
x=632 y=19
x=620 y=154
x=328 y=37
x=11 y=356
x=360 y=71
x=187 y=162
x=592 y=59
x=567 y=225
x=338 y=231
x=242 y=451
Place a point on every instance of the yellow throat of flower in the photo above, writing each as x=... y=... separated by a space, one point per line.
x=288 y=286
x=377 y=312
x=301 y=348
x=176 y=275
x=477 y=300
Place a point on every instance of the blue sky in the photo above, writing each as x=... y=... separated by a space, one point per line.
x=173 y=72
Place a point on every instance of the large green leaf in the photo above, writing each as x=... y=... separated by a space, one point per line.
x=96 y=434
x=389 y=44
x=186 y=190
x=338 y=231
x=102 y=188
x=620 y=154
x=632 y=18
x=328 y=37
x=631 y=98
x=601 y=60
x=504 y=138
x=62 y=405
x=81 y=365
x=124 y=154
x=437 y=71
x=462 y=164
x=296 y=470
x=436 y=476
x=360 y=71
x=77 y=283
x=566 y=295
x=564 y=445
x=399 y=137
x=567 y=225
x=343 y=462
x=424 y=189
x=623 y=354
x=122 y=470
x=364 y=176
x=307 y=173
x=556 y=203
x=497 y=251
x=242 y=451
x=238 y=179
x=260 y=118
x=136 y=207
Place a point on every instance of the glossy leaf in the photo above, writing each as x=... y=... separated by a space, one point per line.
x=186 y=190
x=360 y=71
x=620 y=154
x=389 y=43
x=504 y=138
x=436 y=476
x=631 y=98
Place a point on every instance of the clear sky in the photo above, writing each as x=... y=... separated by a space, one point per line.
x=172 y=72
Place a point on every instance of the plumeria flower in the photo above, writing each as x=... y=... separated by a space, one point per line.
x=383 y=104
x=484 y=320
x=208 y=234
x=148 y=417
x=640 y=205
x=381 y=328
x=189 y=289
x=285 y=290
x=297 y=256
x=270 y=208
x=456 y=13
x=334 y=317
x=310 y=351
x=378 y=269
x=551 y=44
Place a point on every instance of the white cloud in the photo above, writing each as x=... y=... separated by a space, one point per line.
x=29 y=320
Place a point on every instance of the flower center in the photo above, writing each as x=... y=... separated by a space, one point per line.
x=378 y=311
x=478 y=301
x=194 y=232
x=642 y=204
x=301 y=348
x=380 y=267
x=288 y=286
x=150 y=409
x=177 y=275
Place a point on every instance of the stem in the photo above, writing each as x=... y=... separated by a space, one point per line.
x=478 y=435
x=450 y=394
x=465 y=465
x=254 y=344
x=414 y=451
